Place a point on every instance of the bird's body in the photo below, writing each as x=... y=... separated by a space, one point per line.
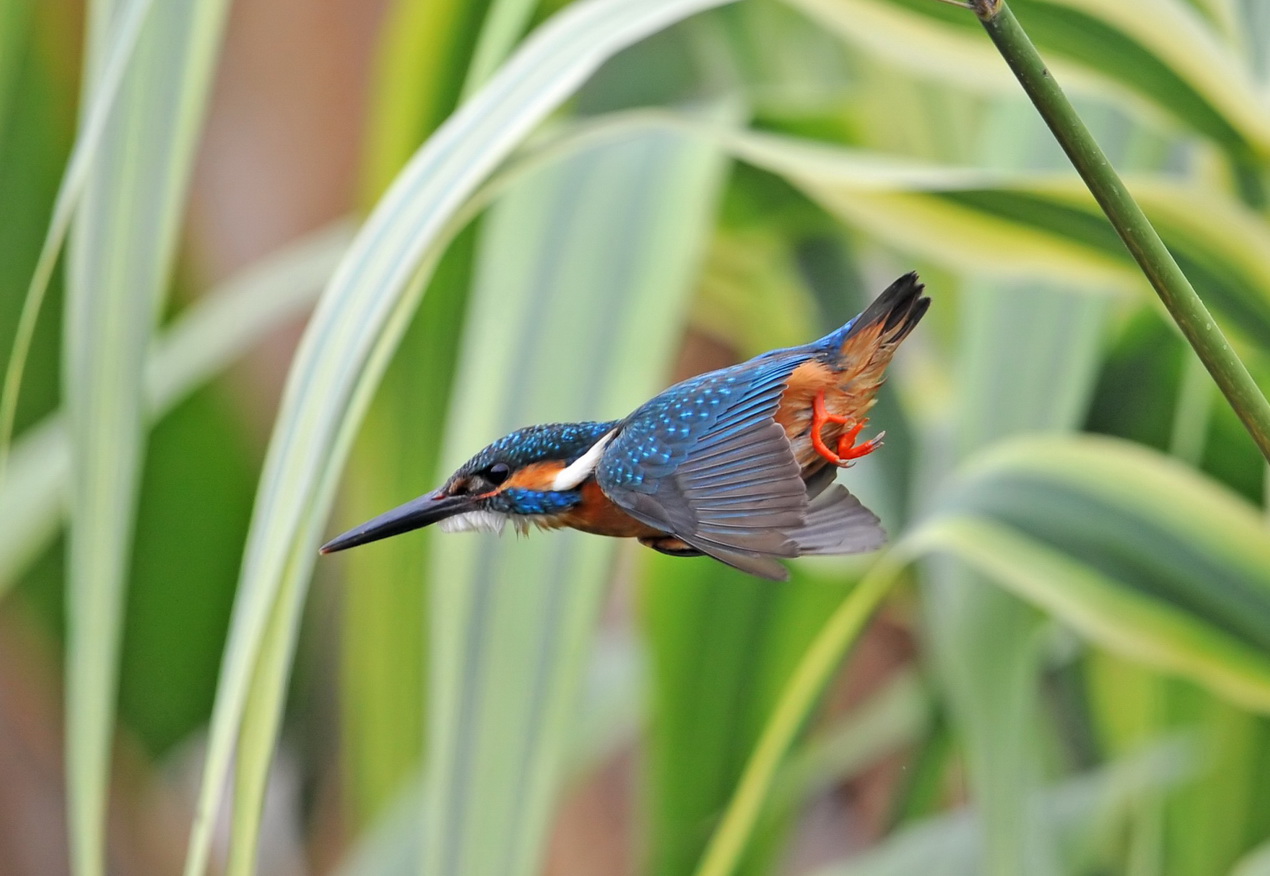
x=737 y=464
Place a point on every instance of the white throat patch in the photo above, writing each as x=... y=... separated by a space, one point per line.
x=581 y=469
x=475 y=521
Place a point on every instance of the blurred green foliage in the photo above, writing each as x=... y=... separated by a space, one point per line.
x=618 y=193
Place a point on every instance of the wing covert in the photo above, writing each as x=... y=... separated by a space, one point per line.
x=707 y=462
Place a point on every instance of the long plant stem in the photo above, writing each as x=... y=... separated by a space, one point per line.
x=1188 y=311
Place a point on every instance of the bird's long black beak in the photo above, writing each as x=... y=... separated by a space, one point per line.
x=417 y=514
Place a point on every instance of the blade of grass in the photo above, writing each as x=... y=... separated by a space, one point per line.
x=792 y=709
x=1011 y=224
x=1157 y=263
x=609 y=721
x=123 y=240
x=510 y=620
x=1135 y=551
x=383 y=667
x=721 y=646
x=418 y=82
x=503 y=26
x=1085 y=811
x=1158 y=55
x=15 y=16
x=214 y=331
x=1176 y=36
x=383 y=650
x=1016 y=223
x=265 y=687
x=1027 y=363
x=261 y=722
x=1003 y=223
x=1104 y=609
x=96 y=114
x=358 y=322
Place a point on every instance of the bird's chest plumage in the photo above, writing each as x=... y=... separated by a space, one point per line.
x=598 y=514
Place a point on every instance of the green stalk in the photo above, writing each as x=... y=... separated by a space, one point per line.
x=1130 y=222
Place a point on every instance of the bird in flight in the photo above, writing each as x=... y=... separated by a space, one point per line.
x=737 y=464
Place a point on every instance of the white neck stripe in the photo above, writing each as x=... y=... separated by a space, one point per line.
x=581 y=469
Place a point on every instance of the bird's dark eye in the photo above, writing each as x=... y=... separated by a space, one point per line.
x=497 y=473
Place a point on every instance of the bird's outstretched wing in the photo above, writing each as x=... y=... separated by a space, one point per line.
x=706 y=461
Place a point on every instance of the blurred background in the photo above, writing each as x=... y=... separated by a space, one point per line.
x=1066 y=663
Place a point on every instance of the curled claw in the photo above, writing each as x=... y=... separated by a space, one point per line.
x=848 y=450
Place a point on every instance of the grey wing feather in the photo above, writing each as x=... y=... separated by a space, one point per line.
x=837 y=523
x=694 y=503
x=754 y=564
x=731 y=490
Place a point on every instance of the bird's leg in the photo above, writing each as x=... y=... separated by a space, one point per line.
x=819 y=417
x=847 y=448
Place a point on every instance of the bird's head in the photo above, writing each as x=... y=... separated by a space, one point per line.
x=535 y=471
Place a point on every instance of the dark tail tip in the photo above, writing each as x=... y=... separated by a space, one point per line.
x=899 y=309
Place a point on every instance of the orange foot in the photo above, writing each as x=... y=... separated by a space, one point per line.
x=848 y=450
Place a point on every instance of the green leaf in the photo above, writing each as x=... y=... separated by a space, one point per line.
x=503 y=26
x=419 y=77
x=1255 y=863
x=122 y=245
x=425 y=49
x=102 y=87
x=1137 y=552
x=574 y=305
x=721 y=646
x=15 y=17
x=1156 y=53
x=1028 y=365
x=607 y=722
x=890 y=720
x=1084 y=812
x=201 y=342
x=357 y=324
x=1156 y=48
x=1028 y=224
x=384 y=642
x=792 y=709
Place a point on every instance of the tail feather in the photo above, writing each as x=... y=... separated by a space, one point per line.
x=863 y=348
x=892 y=315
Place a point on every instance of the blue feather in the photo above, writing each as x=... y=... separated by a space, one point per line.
x=516 y=500
x=554 y=441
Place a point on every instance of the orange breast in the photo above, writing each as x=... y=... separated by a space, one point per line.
x=599 y=515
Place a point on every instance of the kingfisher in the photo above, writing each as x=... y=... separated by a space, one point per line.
x=737 y=464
